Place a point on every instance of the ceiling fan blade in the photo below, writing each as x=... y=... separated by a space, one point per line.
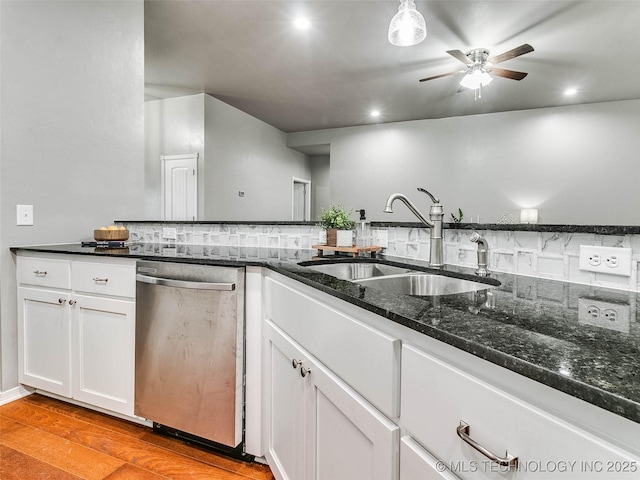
x=457 y=54
x=511 y=74
x=516 y=52
x=438 y=76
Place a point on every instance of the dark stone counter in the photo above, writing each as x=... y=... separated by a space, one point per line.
x=515 y=227
x=531 y=326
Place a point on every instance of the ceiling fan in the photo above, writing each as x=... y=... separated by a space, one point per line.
x=480 y=68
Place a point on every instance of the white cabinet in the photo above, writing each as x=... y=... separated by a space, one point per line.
x=365 y=358
x=102 y=354
x=44 y=340
x=319 y=427
x=553 y=435
x=76 y=328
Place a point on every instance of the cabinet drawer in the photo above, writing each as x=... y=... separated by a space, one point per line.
x=366 y=359
x=436 y=397
x=104 y=279
x=44 y=272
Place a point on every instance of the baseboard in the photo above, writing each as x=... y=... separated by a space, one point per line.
x=14 y=394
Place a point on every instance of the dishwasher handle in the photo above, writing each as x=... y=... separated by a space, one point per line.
x=170 y=282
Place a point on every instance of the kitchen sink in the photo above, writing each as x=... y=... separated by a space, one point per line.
x=423 y=284
x=398 y=279
x=357 y=270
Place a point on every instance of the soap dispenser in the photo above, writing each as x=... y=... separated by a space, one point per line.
x=363 y=232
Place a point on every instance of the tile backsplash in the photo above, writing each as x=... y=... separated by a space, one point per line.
x=545 y=254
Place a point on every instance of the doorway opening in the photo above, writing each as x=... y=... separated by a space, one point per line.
x=300 y=199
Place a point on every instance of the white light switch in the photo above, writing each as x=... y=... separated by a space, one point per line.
x=24 y=214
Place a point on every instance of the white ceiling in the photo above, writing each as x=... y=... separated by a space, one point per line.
x=248 y=54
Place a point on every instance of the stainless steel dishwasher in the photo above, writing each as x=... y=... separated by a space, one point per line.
x=190 y=352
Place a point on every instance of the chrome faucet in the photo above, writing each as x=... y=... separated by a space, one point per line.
x=436 y=257
x=483 y=253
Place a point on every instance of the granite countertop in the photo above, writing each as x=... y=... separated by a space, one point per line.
x=528 y=325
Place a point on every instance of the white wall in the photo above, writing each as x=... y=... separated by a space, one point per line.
x=244 y=153
x=173 y=126
x=320 y=184
x=72 y=96
x=237 y=152
x=576 y=164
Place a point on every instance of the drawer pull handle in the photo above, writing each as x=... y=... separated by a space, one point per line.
x=101 y=280
x=40 y=273
x=304 y=371
x=61 y=301
x=72 y=302
x=507 y=461
x=296 y=363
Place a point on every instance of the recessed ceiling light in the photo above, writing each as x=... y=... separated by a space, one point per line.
x=375 y=113
x=301 y=23
x=570 y=91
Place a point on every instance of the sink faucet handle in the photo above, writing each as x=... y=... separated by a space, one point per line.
x=433 y=199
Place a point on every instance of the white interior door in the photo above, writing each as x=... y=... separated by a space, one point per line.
x=301 y=200
x=180 y=187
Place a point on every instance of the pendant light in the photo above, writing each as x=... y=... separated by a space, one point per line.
x=407 y=27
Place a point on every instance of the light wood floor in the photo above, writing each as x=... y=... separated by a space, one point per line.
x=43 y=438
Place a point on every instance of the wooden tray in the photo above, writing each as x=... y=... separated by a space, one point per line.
x=105 y=235
x=353 y=249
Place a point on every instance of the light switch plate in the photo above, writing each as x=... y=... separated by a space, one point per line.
x=24 y=214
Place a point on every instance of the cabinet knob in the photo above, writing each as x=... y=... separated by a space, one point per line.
x=305 y=371
x=61 y=301
x=72 y=302
x=296 y=363
x=40 y=273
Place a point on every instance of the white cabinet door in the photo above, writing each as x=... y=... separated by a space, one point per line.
x=43 y=340
x=285 y=404
x=348 y=436
x=103 y=332
x=319 y=427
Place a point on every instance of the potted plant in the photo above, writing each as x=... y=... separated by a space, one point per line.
x=338 y=225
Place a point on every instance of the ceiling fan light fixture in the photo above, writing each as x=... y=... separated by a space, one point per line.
x=407 y=27
x=475 y=79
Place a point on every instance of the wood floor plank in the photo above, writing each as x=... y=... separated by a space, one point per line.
x=129 y=472
x=123 y=447
x=64 y=454
x=250 y=470
x=18 y=466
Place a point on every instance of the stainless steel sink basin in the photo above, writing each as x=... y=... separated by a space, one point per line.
x=356 y=271
x=423 y=284
x=398 y=279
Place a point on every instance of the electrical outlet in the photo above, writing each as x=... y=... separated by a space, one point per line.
x=598 y=313
x=611 y=260
x=169 y=233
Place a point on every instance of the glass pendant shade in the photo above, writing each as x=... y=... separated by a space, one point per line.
x=476 y=79
x=407 y=27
